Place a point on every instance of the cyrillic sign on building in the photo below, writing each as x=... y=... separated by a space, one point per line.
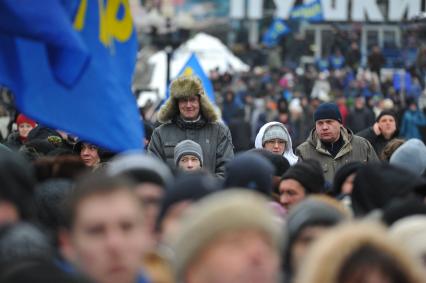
x=334 y=10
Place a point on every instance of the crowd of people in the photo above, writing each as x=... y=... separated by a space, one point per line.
x=290 y=96
x=307 y=192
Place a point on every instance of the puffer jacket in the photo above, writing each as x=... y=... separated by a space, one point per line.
x=355 y=148
x=213 y=137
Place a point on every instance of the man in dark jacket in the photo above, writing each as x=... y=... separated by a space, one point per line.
x=360 y=117
x=188 y=114
x=382 y=131
x=376 y=60
x=331 y=144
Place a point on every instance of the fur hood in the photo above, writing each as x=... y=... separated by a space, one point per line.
x=184 y=87
x=329 y=254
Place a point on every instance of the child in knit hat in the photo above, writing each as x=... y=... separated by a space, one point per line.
x=188 y=156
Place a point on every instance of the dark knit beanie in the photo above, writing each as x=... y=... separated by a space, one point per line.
x=251 y=171
x=328 y=111
x=342 y=174
x=309 y=174
x=377 y=184
x=309 y=212
x=401 y=208
x=279 y=162
x=187 y=187
x=387 y=112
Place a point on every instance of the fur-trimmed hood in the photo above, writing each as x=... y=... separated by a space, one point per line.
x=184 y=87
x=329 y=254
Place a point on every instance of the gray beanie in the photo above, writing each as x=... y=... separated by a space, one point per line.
x=188 y=147
x=410 y=156
x=145 y=166
x=275 y=132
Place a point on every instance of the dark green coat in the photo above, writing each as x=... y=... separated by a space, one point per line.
x=355 y=148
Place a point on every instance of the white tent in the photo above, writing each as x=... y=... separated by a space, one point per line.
x=211 y=53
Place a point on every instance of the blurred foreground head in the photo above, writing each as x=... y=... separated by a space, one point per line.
x=16 y=187
x=151 y=177
x=306 y=222
x=359 y=252
x=105 y=229
x=181 y=196
x=377 y=185
x=230 y=236
x=411 y=233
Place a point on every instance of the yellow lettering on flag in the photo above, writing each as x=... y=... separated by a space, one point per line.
x=80 y=16
x=110 y=27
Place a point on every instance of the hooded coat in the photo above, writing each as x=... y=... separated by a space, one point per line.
x=17 y=182
x=376 y=185
x=354 y=149
x=410 y=156
x=329 y=255
x=288 y=153
x=213 y=137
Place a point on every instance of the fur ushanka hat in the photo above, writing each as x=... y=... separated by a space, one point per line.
x=185 y=87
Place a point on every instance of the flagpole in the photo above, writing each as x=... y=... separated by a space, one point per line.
x=169 y=52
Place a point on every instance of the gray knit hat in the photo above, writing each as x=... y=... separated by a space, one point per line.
x=275 y=132
x=142 y=167
x=222 y=212
x=188 y=147
x=410 y=156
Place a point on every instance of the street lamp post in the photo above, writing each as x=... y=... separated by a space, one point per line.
x=169 y=53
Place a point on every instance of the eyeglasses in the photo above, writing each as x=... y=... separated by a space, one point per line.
x=274 y=141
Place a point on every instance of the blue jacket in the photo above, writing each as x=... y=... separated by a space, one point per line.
x=410 y=124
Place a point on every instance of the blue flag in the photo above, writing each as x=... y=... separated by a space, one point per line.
x=193 y=67
x=69 y=65
x=310 y=12
x=276 y=30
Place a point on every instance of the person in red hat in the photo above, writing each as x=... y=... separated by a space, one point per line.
x=16 y=139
